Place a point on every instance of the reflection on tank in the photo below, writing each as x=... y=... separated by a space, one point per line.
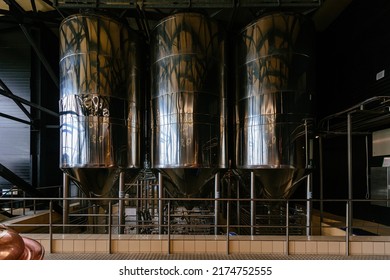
x=100 y=117
x=188 y=99
x=100 y=103
x=274 y=100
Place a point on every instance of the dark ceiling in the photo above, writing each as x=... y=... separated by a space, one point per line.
x=142 y=15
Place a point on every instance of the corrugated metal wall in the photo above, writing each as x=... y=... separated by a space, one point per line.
x=15 y=65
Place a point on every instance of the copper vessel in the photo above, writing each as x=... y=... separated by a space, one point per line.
x=15 y=247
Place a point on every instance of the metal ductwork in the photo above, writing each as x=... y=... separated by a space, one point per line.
x=188 y=95
x=100 y=101
x=274 y=99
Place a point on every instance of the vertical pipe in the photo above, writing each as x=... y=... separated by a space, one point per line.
x=146 y=196
x=308 y=158
x=253 y=205
x=349 y=139
x=308 y=205
x=321 y=185
x=306 y=145
x=153 y=196
x=95 y=212
x=65 y=207
x=160 y=204
x=217 y=188
x=121 y=209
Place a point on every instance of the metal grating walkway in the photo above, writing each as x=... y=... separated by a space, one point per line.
x=157 y=256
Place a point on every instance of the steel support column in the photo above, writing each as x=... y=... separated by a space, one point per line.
x=308 y=204
x=121 y=209
x=65 y=204
x=321 y=184
x=217 y=191
x=253 y=204
x=160 y=203
x=349 y=140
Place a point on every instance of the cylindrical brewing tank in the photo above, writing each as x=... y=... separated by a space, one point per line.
x=99 y=106
x=188 y=99
x=273 y=99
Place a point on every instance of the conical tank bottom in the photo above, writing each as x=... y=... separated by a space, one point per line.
x=189 y=181
x=278 y=183
x=94 y=182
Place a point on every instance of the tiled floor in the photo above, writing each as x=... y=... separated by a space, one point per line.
x=159 y=256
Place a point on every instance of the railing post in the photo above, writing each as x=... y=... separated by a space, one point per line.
x=24 y=203
x=109 y=225
x=65 y=204
x=50 y=227
x=217 y=195
x=309 y=195
x=169 y=227
x=227 y=226
x=238 y=207
x=321 y=184
x=347 y=229
x=287 y=229
x=350 y=195
x=253 y=205
x=138 y=207
x=121 y=209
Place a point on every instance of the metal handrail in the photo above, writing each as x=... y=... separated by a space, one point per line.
x=168 y=226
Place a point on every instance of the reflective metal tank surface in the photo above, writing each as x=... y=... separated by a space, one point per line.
x=99 y=106
x=15 y=247
x=188 y=98
x=273 y=99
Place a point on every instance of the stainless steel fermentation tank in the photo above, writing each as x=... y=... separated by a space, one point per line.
x=274 y=99
x=100 y=101
x=188 y=98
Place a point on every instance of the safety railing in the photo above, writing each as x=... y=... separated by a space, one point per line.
x=13 y=200
x=107 y=221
